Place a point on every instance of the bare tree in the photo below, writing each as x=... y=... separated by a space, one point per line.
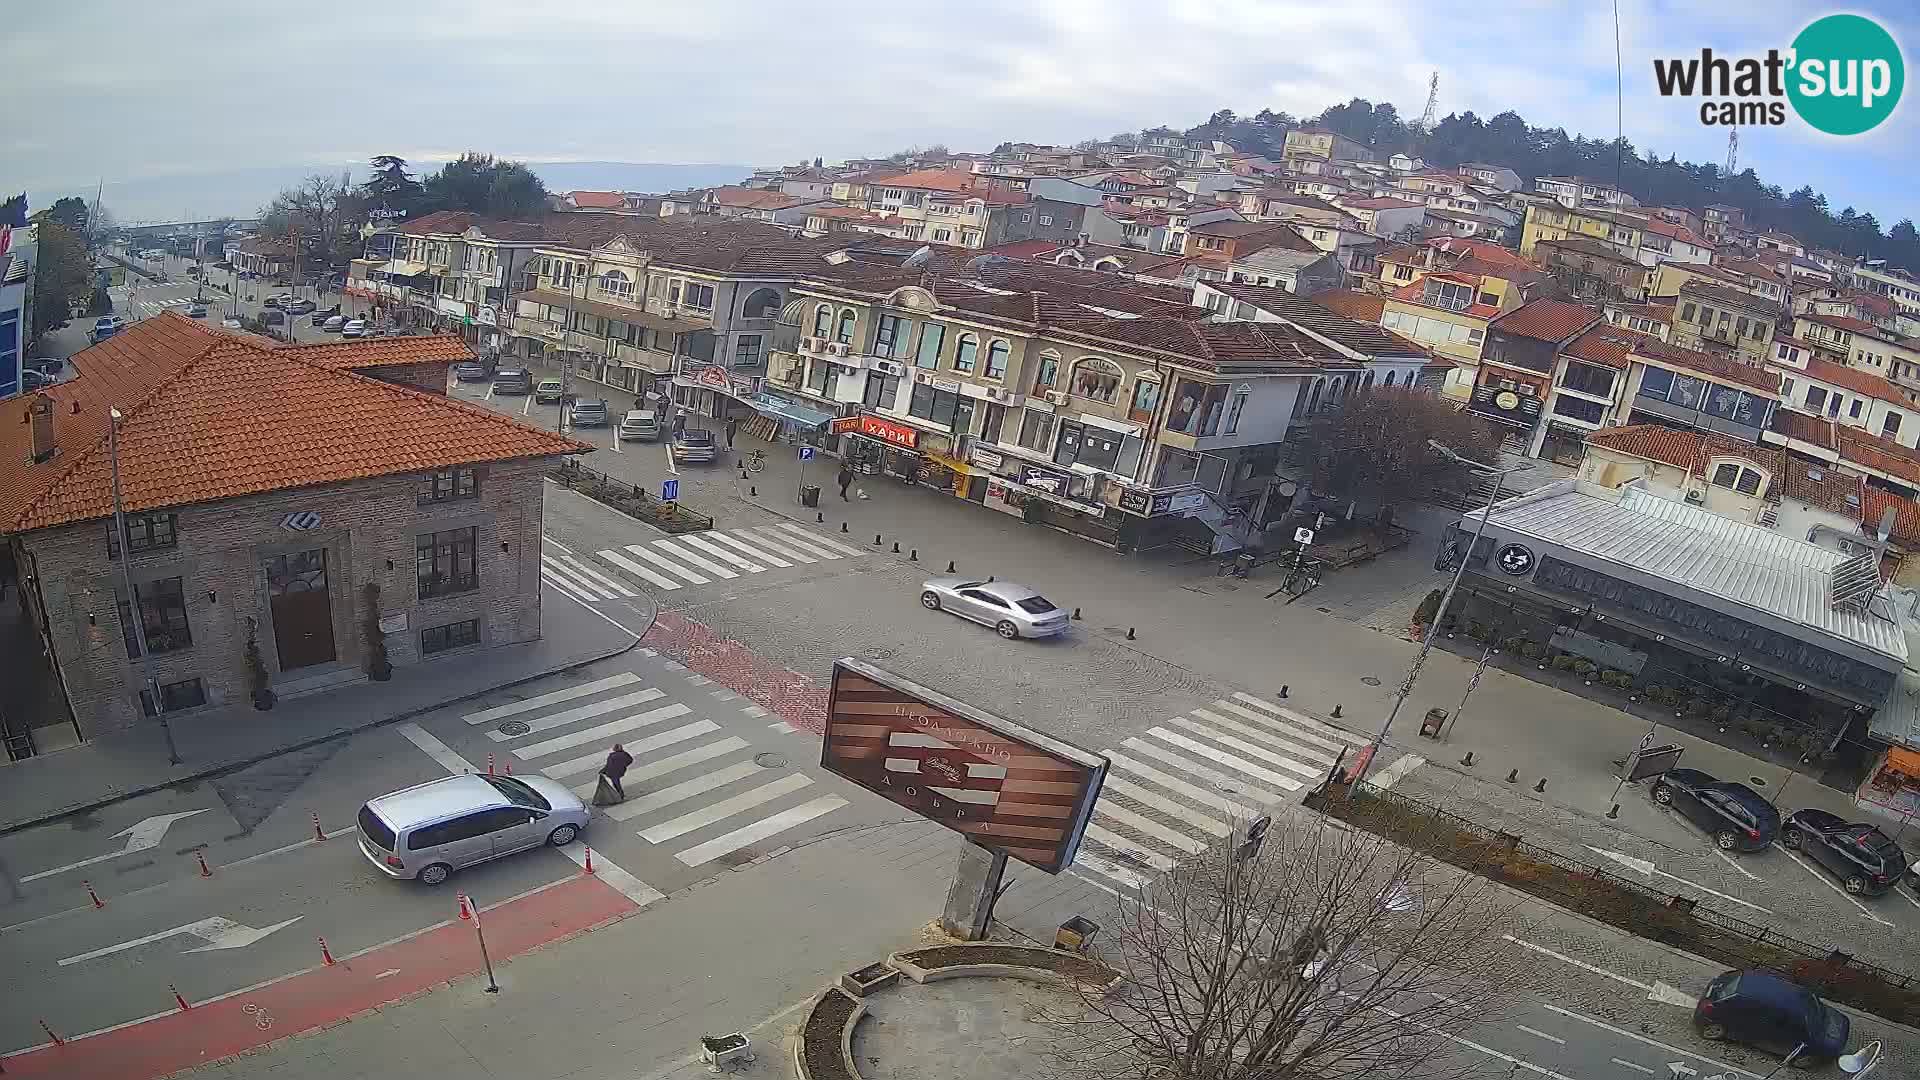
x=1375 y=447
x=1319 y=955
x=322 y=211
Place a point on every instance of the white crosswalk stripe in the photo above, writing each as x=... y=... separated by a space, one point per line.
x=719 y=552
x=717 y=799
x=790 y=546
x=596 y=576
x=816 y=538
x=693 y=558
x=689 y=559
x=723 y=538
x=569 y=587
x=656 y=559
x=770 y=543
x=1195 y=780
x=639 y=571
x=570 y=580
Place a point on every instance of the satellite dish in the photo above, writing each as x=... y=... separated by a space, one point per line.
x=920 y=257
x=982 y=262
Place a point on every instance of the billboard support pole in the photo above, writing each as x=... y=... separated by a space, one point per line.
x=976 y=885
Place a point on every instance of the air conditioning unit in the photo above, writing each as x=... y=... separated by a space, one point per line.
x=841 y=348
x=1057 y=397
x=1695 y=495
x=806 y=344
x=889 y=367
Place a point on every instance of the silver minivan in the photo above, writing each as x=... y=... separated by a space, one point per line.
x=428 y=831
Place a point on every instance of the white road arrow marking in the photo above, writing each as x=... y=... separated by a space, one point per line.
x=1671 y=995
x=142 y=835
x=1681 y=1068
x=1646 y=867
x=217 y=932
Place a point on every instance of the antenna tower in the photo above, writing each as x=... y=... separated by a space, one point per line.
x=1433 y=104
x=1733 y=150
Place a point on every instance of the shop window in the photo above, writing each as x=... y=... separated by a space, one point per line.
x=447 y=485
x=174 y=696
x=936 y=406
x=997 y=360
x=1096 y=379
x=163 y=617
x=445 y=562
x=145 y=532
x=1036 y=430
x=438 y=639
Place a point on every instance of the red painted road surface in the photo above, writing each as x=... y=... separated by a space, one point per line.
x=793 y=697
x=311 y=999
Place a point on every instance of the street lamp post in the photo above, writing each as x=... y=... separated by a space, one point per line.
x=139 y=635
x=1433 y=628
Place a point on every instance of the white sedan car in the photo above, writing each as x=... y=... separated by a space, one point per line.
x=1014 y=611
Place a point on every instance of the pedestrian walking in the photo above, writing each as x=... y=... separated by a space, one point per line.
x=616 y=767
x=733 y=425
x=846 y=480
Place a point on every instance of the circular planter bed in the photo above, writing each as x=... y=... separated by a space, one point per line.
x=1007 y=961
x=821 y=1053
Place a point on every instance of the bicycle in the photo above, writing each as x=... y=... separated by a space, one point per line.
x=756 y=460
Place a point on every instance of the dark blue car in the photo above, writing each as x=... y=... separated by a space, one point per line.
x=1767 y=1010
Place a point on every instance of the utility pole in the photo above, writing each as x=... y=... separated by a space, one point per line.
x=136 y=626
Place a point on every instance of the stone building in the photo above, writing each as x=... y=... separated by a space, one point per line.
x=272 y=494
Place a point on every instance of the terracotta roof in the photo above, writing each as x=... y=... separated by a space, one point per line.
x=597 y=200
x=1821 y=485
x=1872 y=452
x=1752 y=268
x=1851 y=325
x=1906 y=514
x=1354 y=304
x=1233 y=227
x=380 y=352
x=1025 y=249
x=1674 y=231
x=936 y=180
x=1385 y=202
x=1546 y=320
x=1802 y=427
x=1604 y=344
x=1728 y=371
x=1209 y=344
x=1363 y=336
x=1588 y=246
x=1689 y=450
x=744 y=198
x=1720 y=294
x=1858 y=380
x=214 y=416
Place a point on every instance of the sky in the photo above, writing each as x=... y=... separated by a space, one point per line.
x=130 y=90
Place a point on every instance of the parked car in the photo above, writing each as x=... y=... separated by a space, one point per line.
x=590 y=413
x=280 y=300
x=510 y=380
x=640 y=424
x=692 y=444
x=272 y=317
x=301 y=307
x=196 y=311
x=354 y=328
x=1014 y=611
x=1865 y=859
x=548 y=391
x=105 y=327
x=232 y=322
x=1767 y=1010
x=469 y=372
x=428 y=831
x=333 y=323
x=1733 y=814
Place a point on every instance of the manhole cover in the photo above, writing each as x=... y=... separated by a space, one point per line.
x=1756 y=781
x=1370 y=680
x=514 y=727
x=771 y=761
x=881 y=654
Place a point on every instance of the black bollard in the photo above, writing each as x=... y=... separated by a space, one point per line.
x=914 y=555
x=1513 y=777
x=1283 y=691
x=1542 y=785
x=1468 y=760
x=843 y=526
x=1336 y=712
x=950 y=566
x=1614 y=814
x=1129 y=633
x=819 y=518
x=896 y=547
x=876 y=539
x=752 y=490
x=1076 y=614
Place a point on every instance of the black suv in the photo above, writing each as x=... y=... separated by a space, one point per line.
x=1865 y=859
x=1770 y=1011
x=1735 y=815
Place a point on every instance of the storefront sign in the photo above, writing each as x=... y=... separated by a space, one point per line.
x=951 y=386
x=1136 y=502
x=888 y=431
x=716 y=377
x=487 y=317
x=987 y=458
x=841 y=425
x=1053 y=483
x=1184 y=503
x=1515 y=560
x=451 y=307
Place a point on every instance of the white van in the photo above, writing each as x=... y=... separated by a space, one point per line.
x=428 y=831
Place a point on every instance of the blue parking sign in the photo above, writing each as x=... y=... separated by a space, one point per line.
x=669 y=490
x=806 y=453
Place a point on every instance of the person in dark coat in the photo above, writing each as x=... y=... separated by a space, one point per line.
x=733 y=425
x=616 y=767
x=846 y=481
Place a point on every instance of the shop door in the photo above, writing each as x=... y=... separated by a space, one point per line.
x=301 y=609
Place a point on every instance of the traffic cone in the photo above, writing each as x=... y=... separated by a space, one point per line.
x=318 y=832
x=466 y=914
x=326 y=955
x=589 y=866
x=489 y=764
x=204 y=870
x=178 y=1000
x=94 y=896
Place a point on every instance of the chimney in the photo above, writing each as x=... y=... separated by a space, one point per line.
x=40 y=417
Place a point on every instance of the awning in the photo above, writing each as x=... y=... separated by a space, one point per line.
x=956 y=465
x=790 y=411
x=402 y=268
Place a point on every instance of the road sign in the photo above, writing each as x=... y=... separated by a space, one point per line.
x=1303 y=536
x=217 y=932
x=1008 y=788
x=669 y=490
x=806 y=453
x=142 y=835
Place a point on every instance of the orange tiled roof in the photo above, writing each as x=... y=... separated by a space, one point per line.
x=1906 y=514
x=1689 y=360
x=380 y=352
x=1682 y=449
x=1604 y=344
x=1873 y=452
x=213 y=416
x=1352 y=303
x=597 y=200
x=1858 y=380
x=1546 y=320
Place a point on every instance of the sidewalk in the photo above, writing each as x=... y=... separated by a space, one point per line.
x=132 y=763
x=743 y=951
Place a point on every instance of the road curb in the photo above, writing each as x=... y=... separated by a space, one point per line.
x=223 y=768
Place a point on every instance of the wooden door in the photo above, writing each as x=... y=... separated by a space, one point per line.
x=301 y=608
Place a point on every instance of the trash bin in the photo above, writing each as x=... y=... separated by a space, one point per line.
x=810 y=495
x=1431 y=724
x=1076 y=934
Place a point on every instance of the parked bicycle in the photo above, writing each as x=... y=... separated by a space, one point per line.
x=756 y=460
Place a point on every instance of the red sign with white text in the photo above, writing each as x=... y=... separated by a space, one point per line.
x=888 y=431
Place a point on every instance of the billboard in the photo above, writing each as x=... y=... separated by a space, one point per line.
x=1003 y=786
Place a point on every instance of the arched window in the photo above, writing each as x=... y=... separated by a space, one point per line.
x=761 y=304
x=1096 y=379
x=1368 y=383
x=1146 y=398
x=1390 y=377
x=1047 y=373
x=615 y=283
x=846 y=327
x=965 y=352
x=997 y=360
x=1313 y=398
x=822 y=321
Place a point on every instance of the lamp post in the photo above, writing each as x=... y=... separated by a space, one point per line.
x=139 y=631
x=1446 y=601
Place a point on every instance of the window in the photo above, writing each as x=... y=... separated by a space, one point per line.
x=1146 y=397
x=1096 y=379
x=615 y=283
x=1749 y=482
x=886 y=335
x=1740 y=328
x=932 y=336
x=697 y=296
x=1786 y=389
x=822 y=321
x=445 y=562
x=1489 y=299
x=447 y=485
x=1726 y=475
x=1656 y=382
x=746 y=351
x=1782 y=352
x=163 y=617
x=1816 y=398
x=186 y=694
x=845 y=334
x=1579 y=409
x=145 y=532
x=937 y=406
x=1447 y=294
x=880 y=391
x=1686 y=313
x=1233 y=411
x=762 y=304
x=1036 y=430
x=997 y=360
x=1890 y=426
x=943 y=236
x=824 y=378
x=1045 y=219
x=1587 y=379
x=1048 y=371
x=990 y=428
x=1853 y=410
x=964 y=352
x=436 y=639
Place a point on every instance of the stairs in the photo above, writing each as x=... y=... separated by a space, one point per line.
x=319 y=680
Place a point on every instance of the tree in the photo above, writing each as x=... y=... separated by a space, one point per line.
x=1316 y=953
x=1376 y=446
x=14 y=210
x=71 y=212
x=322 y=212
x=390 y=187
x=479 y=184
x=62 y=278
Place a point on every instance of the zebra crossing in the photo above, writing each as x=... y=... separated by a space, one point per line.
x=715 y=799
x=690 y=559
x=155 y=307
x=1190 y=781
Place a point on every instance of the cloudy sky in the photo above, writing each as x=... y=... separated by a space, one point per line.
x=130 y=89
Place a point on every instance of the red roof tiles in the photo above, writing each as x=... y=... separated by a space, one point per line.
x=1352 y=303
x=1546 y=320
x=1858 y=380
